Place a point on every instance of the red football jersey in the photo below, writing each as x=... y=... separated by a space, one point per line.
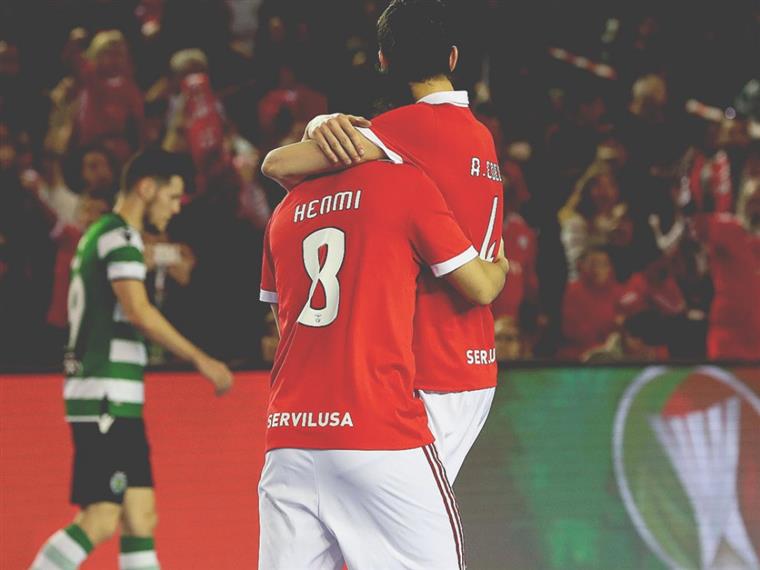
x=735 y=266
x=522 y=283
x=521 y=245
x=641 y=294
x=512 y=296
x=453 y=339
x=204 y=126
x=342 y=255
x=588 y=316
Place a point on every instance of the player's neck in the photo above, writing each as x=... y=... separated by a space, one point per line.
x=435 y=85
x=131 y=209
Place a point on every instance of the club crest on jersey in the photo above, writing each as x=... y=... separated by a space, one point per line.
x=310 y=419
x=72 y=366
x=118 y=483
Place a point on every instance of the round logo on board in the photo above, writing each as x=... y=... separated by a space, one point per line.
x=118 y=483
x=687 y=462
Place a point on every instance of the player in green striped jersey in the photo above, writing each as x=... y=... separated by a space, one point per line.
x=110 y=316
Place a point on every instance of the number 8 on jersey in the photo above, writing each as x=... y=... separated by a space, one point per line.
x=332 y=242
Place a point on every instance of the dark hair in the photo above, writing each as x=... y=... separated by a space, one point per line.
x=586 y=207
x=151 y=163
x=72 y=167
x=416 y=38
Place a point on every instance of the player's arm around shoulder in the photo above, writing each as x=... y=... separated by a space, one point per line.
x=348 y=140
x=146 y=318
x=330 y=143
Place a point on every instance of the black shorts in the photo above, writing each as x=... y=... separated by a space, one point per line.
x=106 y=464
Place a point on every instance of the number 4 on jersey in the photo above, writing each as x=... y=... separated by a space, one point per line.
x=487 y=253
x=334 y=240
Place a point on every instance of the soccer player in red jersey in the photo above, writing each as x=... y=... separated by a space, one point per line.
x=351 y=475
x=453 y=341
x=733 y=244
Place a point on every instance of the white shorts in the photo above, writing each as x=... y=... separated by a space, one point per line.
x=372 y=510
x=456 y=418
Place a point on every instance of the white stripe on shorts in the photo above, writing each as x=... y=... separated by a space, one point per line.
x=125 y=391
x=449 y=500
x=128 y=352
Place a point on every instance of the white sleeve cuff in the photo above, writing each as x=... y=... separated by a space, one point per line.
x=446 y=267
x=268 y=296
x=126 y=270
x=395 y=157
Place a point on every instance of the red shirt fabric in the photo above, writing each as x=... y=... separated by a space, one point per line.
x=342 y=255
x=710 y=182
x=513 y=173
x=588 y=316
x=734 y=325
x=453 y=339
x=108 y=106
x=522 y=282
x=511 y=297
x=640 y=294
x=520 y=244
x=204 y=126
x=302 y=102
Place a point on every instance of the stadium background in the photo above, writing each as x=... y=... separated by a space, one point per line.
x=563 y=465
x=544 y=487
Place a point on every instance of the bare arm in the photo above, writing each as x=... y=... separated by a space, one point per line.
x=32 y=182
x=139 y=311
x=481 y=281
x=292 y=164
x=332 y=145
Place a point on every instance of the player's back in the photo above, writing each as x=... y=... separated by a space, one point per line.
x=454 y=340
x=105 y=355
x=341 y=259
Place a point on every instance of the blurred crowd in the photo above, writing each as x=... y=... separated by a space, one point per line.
x=629 y=140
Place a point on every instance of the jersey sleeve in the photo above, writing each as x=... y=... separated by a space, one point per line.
x=268 y=290
x=121 y=250
x=398 y=132
x=435 y=235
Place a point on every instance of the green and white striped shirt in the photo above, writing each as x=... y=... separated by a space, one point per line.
x=106 y=355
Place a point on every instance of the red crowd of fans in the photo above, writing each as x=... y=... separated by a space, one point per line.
x=631 y=182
